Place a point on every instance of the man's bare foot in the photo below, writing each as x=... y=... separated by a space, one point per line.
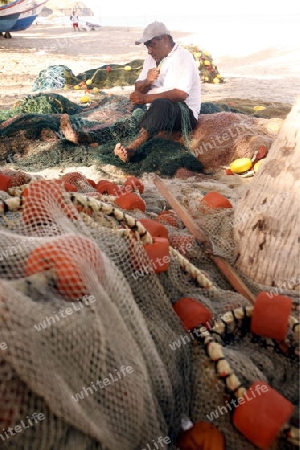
x=123 y=153
x=67 y=130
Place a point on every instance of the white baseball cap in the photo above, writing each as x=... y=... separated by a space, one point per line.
x=152 y=30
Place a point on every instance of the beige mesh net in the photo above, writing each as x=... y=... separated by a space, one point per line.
x=92 y=354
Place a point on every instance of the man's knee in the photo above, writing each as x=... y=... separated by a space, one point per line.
x=161 y=102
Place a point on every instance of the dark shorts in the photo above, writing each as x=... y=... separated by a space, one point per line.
x=165 y=115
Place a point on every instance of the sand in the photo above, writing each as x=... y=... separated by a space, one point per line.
x=269 y=74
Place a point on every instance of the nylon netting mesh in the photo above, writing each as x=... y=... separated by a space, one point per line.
x=110 y=75
x=79 y=250
x=48 y=130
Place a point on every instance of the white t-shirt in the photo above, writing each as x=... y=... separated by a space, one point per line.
x=178 y=70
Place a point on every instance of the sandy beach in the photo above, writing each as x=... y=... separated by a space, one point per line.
x=58 y=247
x=266 y=72
x=257 y=71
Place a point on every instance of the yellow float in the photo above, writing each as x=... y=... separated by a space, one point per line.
x=241 y=165
x=84 y=99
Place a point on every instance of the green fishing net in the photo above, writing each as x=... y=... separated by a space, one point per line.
x=31 y=136
x=110 y=75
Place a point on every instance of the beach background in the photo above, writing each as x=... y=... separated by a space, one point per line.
x=256 y=47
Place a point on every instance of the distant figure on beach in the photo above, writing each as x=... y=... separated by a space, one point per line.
x=75 y=20
x=169 y=86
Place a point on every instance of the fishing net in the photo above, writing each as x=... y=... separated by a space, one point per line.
x=223 y=137
x=110 y=75
x=93 y=355
x=32 y=135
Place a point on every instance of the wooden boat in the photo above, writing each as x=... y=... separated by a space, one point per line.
x=8 y=21
x=28 y=17
x=15 y=7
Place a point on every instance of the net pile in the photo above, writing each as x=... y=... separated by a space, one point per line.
x=32 y=136
x=223 y=137
x=110 y=75
x=92 y=342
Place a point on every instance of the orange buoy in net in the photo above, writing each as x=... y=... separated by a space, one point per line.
x=215 y=200
x=201 y=436
x=107 y=187
x=182 y=242
x=191 y=312
x=158 y=252
x=69 y=257
x=78 y=179
x=131 y=201
x=261 y=413
x=41 y=199
x=5 y=182
x=69 y=187
x=271 y=315
x=92 y=183
x=132 y=184
x=156 y=229
x=170 y=217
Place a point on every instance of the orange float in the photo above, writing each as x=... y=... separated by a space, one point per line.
x=69 y=187
x=192 y=313
x=67 y=256
x=169 y=217
x=131 y=201
x=132 y=184
x=92 y=182
x=201 y=436
x=5 y=182
x=107 y=187
x=271 y=316
x=215 y=200
x=40 y=198
x=182 y=242
x=261 y=413
x=158 y=252
x=154 y=228
x=261 y=153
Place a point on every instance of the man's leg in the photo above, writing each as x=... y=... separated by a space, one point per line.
x=67 y=129
x=161 y=116
x=126 y=153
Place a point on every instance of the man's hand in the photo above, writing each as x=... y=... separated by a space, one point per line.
x=137 y=98
x=143 y=86
x=152 y=74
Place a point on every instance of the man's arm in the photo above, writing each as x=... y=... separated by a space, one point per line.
x=140 y=98
x=143 y=86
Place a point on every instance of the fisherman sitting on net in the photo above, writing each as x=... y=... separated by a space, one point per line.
x=169 y=85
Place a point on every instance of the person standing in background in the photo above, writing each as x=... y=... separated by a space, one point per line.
x=74 y=19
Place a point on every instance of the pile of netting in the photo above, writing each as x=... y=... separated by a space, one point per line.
x=110 y=75
x=33 y=135
x=93 y=355
x=104 y=77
